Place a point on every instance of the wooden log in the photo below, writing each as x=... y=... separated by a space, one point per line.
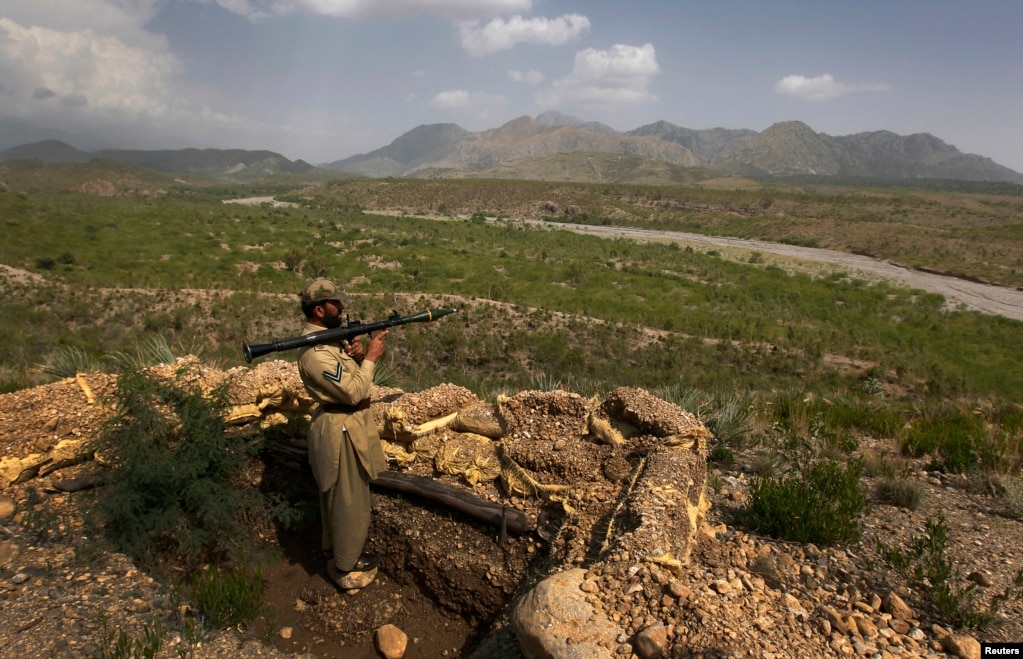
x=28 y=473
x=85 y=482
x=503 y=517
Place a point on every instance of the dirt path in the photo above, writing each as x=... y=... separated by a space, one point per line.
x=998 y=300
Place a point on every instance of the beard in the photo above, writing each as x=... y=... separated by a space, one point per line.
x=332 y=319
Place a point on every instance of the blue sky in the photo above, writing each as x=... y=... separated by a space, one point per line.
x=325 y=79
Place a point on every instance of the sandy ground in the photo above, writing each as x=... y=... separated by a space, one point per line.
x=998 y=300
x=256 y=201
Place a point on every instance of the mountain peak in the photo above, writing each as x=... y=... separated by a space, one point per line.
x=553 y=119
x=794 y=127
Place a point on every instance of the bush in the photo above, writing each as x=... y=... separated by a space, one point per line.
x=952 y=437
x=899 y=491
x=228 y=598
x=69 y=361
x=926 y=567
x=149 y=351
x=117 y=644
x=175 y=482
x=818 y=504
x=722 y=455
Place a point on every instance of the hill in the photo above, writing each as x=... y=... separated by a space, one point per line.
x=784 y=149
x=520 y=147
x=221 y=163
x=446 y=146
x=793 y=148
x=584 y=167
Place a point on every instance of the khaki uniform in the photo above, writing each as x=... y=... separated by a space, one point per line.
x=344 y=448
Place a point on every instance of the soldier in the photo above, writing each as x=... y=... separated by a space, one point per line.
x=344 y=447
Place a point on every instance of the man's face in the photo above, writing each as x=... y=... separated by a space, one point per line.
x=332 y=313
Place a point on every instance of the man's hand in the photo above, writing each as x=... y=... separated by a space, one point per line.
x=355 y=350
x=375 y=348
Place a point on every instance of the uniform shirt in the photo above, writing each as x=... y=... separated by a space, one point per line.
x=332 y=377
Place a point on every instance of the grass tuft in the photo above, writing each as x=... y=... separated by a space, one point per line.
x=819 y=503
x=926 y=565
x=228 y=598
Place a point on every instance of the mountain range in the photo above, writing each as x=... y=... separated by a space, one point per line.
x=789 y=148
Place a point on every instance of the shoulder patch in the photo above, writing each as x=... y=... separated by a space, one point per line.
x=334 y=376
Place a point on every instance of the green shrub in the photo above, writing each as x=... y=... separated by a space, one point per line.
x=118 y=644
x=731 y=421
x=722 y=455
x=9 y=385
x=69 y=361
x=175 y=482
x=149 y=351
x=819 y=503
x=228 y=598
x=925 y=565
x=952 y=437
x=899 y=491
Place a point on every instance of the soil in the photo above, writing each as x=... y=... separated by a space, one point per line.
x=448 y=581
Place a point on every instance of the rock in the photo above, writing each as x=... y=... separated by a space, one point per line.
x=835 y=619
x=391 y=642
x=865 y=626
x=650 y=642
x=352 y=581
x=286 y=632
x=7 y=507
x=962 y=646
x=980 y=578
x=8 y=552
x=895 y=605
x=555 y=621
x=679 y=590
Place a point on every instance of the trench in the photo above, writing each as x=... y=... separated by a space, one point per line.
x=446 y=580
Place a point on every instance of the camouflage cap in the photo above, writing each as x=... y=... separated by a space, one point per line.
x=323 y=289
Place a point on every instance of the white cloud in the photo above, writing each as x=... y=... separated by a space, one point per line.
x=108 y=82
x=462 y=100
x=500 y=34
x=246 y=8
x=531 y=77
x=123 y=20
x=619 y=75
x=451 y=9
x=822 y=88
x=42 y=66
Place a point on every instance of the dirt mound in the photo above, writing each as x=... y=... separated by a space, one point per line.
x=618 y=528
x=533 y=454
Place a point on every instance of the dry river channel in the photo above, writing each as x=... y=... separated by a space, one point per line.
x=987 y=298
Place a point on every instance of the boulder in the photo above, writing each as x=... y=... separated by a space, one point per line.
x=555 y=620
